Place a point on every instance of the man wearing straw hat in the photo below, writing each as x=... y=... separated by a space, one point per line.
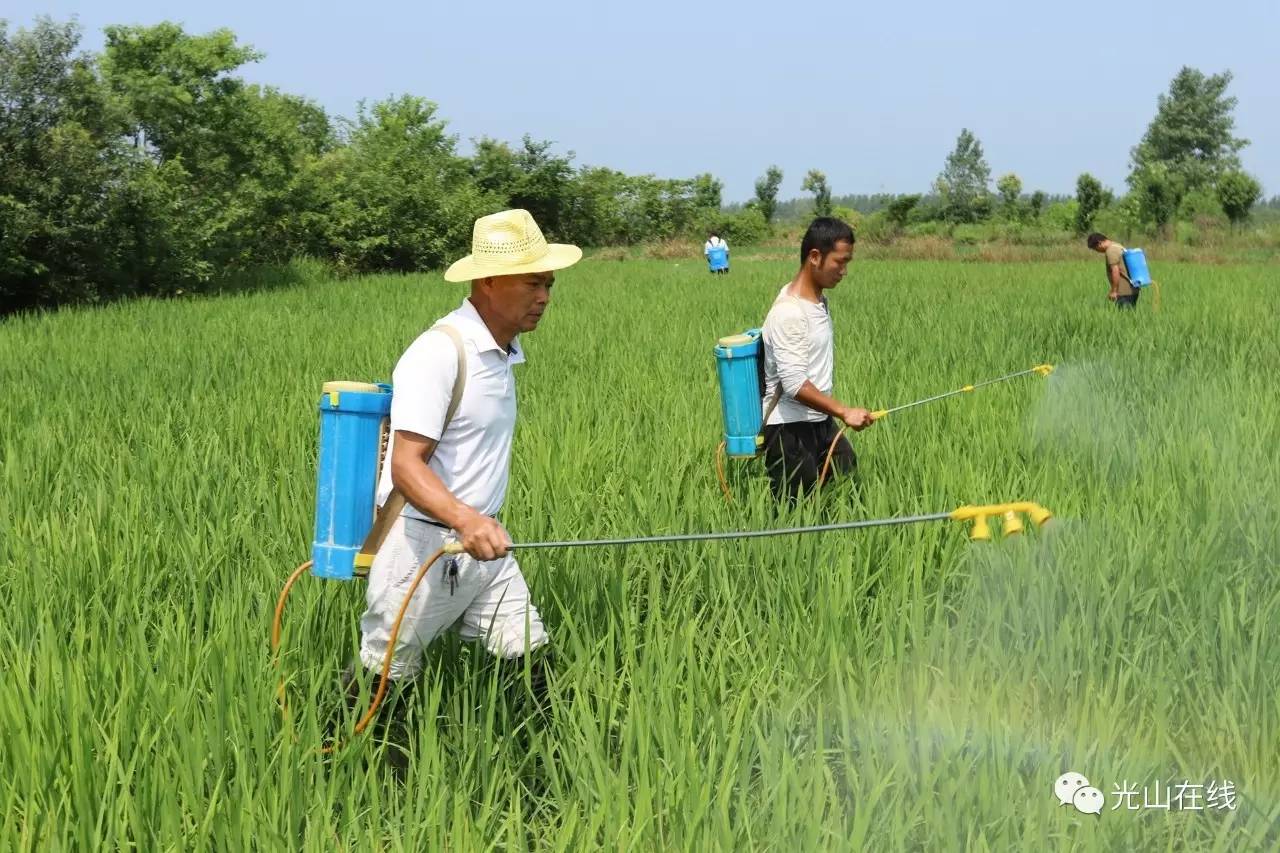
x=449 y=456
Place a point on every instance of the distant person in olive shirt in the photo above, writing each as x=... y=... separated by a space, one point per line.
x=1122 y=293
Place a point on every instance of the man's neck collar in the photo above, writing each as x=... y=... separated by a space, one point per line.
x=501 y=340
x=802 y=287
x=501 y=337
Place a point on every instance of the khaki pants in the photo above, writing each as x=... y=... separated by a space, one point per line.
x=482 y=600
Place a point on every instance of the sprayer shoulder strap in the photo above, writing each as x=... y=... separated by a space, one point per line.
x=773 y=404
x=395 y=503
x=777 y=394
x=460 y=380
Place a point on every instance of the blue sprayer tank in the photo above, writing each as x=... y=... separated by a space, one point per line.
x=352 y=429
x=1135 y=265
x=737 y=365
x=718 y=258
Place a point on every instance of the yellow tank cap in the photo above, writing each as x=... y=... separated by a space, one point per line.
x=341 y=385
x=735 y=340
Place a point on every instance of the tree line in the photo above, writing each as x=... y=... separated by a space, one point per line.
x=152 y=167
x=1187 y=163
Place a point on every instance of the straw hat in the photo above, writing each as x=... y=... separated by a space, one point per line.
x=510 y=243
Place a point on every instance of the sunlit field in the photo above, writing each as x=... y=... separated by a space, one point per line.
x=893 y=688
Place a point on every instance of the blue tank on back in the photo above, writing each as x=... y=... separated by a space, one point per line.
x=737 y=366
x=1135 y=265
x=352 y=426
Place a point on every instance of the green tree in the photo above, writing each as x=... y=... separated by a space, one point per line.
x=745 y=227
x=181 y=95
x=597 y=216
x=612 y=208
x=1090 y=198
x=707 y=190
x=816 y=182
x=1192 y=134
x=1010 y=188
x=1238 y=193
x=403 y=198
x=69 y=208
x=767 y=186
x=247 y=152
x=1035 y=204
x=962 y=184
x=899 y=209
x=272 y=209
x=848 y=215
x=1159 y=191
x=493 y=167
x=657 y=208
x=544 y=186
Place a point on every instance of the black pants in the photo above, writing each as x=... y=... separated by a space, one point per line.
x=1128 y=301
x=795 y=453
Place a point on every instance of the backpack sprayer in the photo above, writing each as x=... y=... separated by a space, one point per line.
x=740 y=370
x=349 y=527
x=717 y=258
x=1135 y=267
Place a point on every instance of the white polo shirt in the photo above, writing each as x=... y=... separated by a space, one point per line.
x=473 y=456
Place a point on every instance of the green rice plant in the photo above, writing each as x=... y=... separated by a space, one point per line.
x=885 y=689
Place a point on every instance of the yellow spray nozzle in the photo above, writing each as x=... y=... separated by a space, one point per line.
x=1012 y=523
x=967 y=388
x=1043 y=369
x=879 y=413
x=1010 y=511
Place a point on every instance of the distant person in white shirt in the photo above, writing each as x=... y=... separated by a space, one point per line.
x=453 y=476
x=716 y=251
x=799 y=356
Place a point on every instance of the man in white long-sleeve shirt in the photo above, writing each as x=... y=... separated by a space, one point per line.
x=802 y=417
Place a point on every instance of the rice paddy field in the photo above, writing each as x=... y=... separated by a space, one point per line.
x=888 y=689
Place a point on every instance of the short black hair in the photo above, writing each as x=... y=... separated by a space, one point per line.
x=822 y=234
x=1095 y=239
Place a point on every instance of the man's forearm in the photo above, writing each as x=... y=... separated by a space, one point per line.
x=810 y=396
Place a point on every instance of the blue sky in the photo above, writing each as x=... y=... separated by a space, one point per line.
x=872 y=94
